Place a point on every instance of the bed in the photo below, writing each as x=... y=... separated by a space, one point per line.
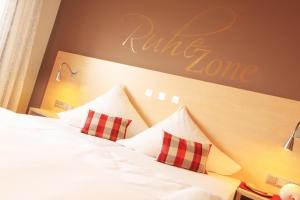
x=46 y=159
x=49 y=159
x=233 y=119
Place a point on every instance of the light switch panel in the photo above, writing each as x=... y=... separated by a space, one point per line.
x=277 y=181
x=148 y=92
x=62 y=105
x=175 y=99
x=161 y=96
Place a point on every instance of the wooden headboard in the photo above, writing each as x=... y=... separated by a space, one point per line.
x=250 y=127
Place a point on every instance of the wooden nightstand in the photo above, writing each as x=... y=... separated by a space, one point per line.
x=242 y=194
x=42 y=112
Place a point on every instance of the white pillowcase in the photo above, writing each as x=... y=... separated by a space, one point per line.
x=115 y=102
x=181 y=125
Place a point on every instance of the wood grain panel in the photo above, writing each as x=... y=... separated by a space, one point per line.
x=250 y=127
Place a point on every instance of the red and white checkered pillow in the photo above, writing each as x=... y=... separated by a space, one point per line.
x=104 y=126
x=184 y=153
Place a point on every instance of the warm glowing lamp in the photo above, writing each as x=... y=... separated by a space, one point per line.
x=290 y=191
x=71 y=71
x=290 y=143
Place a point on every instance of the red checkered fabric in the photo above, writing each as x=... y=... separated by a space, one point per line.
x=104 y=126
x=183 y=153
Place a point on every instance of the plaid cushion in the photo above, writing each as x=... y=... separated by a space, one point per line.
x=104 y=126
x=183 y=153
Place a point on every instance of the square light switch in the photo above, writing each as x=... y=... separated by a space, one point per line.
x=161 y=96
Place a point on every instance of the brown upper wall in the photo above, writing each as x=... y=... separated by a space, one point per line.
x=249 y=44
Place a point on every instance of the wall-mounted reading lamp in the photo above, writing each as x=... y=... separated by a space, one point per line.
x=290 y=143
x=71 y=71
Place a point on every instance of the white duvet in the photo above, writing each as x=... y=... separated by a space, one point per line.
x=44 y=159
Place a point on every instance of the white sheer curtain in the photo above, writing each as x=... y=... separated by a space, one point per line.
x=18 y=22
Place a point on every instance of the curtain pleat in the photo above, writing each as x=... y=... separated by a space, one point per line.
x=19 y=24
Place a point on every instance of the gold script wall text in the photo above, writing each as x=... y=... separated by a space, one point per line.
x=189 y=45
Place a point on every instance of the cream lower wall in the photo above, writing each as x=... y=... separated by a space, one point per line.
x=47 y=19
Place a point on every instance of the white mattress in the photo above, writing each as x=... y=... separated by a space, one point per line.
x=44 y=159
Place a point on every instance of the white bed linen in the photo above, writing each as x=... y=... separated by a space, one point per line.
x=44 y=159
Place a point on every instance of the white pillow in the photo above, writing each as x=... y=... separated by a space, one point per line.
x=115 y=103
x=181 y=125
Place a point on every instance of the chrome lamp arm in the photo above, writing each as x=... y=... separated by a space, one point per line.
x=71 y=71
